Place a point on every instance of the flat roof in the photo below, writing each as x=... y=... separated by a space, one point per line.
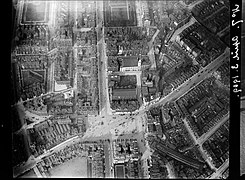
x=119 y=171
x=118 y=94
x=130 y=61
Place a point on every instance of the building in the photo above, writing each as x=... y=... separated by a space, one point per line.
x=81 y=120
x=149 y=83
x=111 y=84
x=151 y=128
x=124 y=94
x=130 y=63
x=61 y=85
x=64 y=121
x=68 y=94
x=159 y=129
x=144 y=90
x=187 y=44
x=41 y=125
x=114 y=78
x=196 y=52
x=152 y=90
x=119 y=8
x=119 y=171
x=162 y=149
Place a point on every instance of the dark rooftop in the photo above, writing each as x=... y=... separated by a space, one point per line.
x=119 y=171
x=130 y=61
x=124 y=94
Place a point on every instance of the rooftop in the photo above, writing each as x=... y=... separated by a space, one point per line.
x=130 y=61
x=144 y=90
x=124 y=94
x=119 y=171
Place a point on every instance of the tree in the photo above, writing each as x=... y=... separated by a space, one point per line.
x=39 y=140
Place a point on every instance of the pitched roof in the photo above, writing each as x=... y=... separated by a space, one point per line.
x=188 y=43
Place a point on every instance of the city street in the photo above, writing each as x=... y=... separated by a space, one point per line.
x=126 y=126
x=204 y=137
x=35 y=118
x=58 y=147
x=152 y=58
x=190 y=6
x=110 y=125
x=178 y=31
x=75 y=77
x=30 y=163
x=193 y=81
x=102 y=63
x=219 y=171
x=118 y=127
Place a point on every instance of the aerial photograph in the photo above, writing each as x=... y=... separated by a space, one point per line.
x=134 y=89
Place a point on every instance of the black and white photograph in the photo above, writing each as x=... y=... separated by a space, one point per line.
x=74 y=64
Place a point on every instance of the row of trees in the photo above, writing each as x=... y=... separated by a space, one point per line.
x=125 y=105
